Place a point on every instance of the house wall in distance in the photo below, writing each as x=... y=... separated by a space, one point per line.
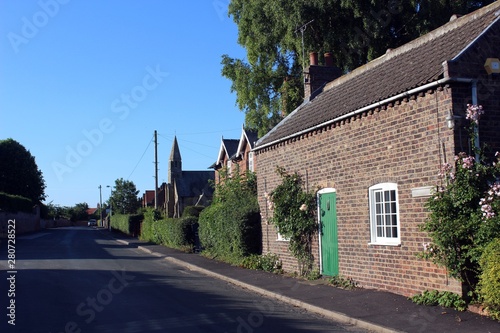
x=401 y=143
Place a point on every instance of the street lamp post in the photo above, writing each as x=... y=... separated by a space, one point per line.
x=100 y=203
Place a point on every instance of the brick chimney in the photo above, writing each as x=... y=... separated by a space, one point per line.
x=316 y=76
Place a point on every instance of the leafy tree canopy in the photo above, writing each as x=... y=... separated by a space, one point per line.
x=269 y=83
x=79 y=212
x=124 y=199
x=19 y=173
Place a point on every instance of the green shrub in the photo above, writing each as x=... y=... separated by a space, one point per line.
x=174 y=233
x=128 y=224
x=343 y=282
x=192 y=211
x=230 y=233
x=267 y=262
x=442 y=298
x=489 y=280
x=230 y=228
x=15 y=203
x=293 y=214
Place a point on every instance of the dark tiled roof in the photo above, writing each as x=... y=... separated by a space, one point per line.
x=195 y=183
x=231 y=146
x=402 y=69
x=252 y=137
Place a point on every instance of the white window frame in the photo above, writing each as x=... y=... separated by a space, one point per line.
x=250 y=161
x=386 y=210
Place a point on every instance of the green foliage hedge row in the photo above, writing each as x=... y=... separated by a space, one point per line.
x=230 y=233
x=230 y=227
x=174 y=233
x=15 y=203
x=489 y=280
x=128 y=224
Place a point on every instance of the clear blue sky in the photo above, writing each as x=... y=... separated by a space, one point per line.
x=84 y=84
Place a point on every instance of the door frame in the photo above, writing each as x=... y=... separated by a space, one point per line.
x=318 y=194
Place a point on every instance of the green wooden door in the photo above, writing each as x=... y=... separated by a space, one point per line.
x=329 y=240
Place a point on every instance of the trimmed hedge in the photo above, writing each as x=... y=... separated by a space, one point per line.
x=174 y=233
x=128 y=224
x=15 y=203
x=192 y=211
x=489 y=280
x=230 y=232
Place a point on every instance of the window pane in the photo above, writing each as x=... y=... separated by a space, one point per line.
x=378 y=196
x=394 y=220
x=388 y=220
x=379 y=220
x=387 y=208
x=388 y=232
x=380 y=232
x=378 y=208
x=393 y=195
x=394 y=232
x=393 y=207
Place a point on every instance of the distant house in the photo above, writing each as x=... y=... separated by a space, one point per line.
x=234 y=152
x=228 y=148
x=374 y=139
x=148 y=198
x=93 y=211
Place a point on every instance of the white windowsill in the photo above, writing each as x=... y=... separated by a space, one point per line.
x=384 y=244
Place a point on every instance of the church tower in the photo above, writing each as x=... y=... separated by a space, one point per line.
x=175 y=163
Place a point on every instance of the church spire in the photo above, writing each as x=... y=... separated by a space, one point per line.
x=175 y=162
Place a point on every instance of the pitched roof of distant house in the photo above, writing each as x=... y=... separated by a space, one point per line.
x=247 y=137
x=228 y=148
x=399 y=70
x=91 y=211
x=195 y=183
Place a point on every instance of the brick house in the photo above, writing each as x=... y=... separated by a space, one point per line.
x=148 y=198
x=376 y=138
x=234 y=152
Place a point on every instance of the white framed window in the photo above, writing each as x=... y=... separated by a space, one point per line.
x=250 y=161
x=229 y=165
x=384 y=214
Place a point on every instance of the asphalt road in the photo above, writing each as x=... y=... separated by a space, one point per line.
x=81 y=280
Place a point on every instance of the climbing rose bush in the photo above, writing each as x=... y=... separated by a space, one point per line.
x=464 y=210
x=294 y=213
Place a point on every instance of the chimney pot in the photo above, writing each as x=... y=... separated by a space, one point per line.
x=313 y=58
x=328 y=59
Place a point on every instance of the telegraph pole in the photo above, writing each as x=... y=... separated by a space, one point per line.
x=156 y=170
x=100 y=204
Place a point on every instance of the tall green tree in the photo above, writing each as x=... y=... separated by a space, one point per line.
x=269 y=82
x=79 y=212
x=19 y=173
x=124 y=199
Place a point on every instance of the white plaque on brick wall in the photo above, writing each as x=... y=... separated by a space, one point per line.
x=425 y=191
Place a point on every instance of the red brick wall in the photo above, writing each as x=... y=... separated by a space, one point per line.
x=401 y=143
